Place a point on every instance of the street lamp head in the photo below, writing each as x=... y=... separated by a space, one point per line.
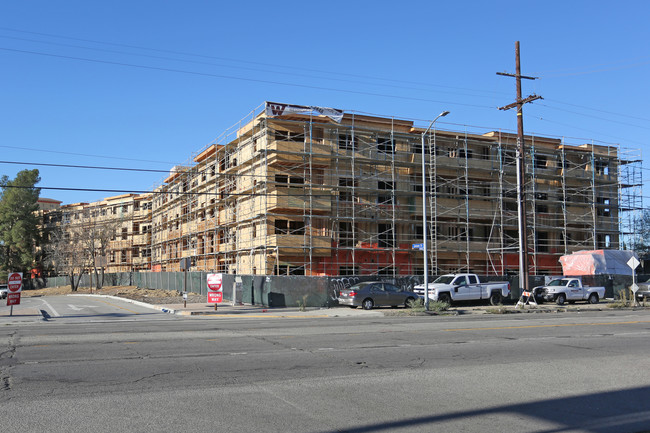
x=443 y=114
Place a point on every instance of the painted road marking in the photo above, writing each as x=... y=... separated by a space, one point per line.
x=549 y=326
x=54 y=313
x=113 y=305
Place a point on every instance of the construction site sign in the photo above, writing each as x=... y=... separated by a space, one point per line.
x=276 y=109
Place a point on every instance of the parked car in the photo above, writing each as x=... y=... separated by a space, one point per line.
x=644 y=291
x=376 y=294
x=464 y=287
x=3 y=291
x=571 y=289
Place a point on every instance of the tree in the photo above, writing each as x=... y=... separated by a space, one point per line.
x=66 y=253
x=98 y=233
x=641 y=241
x=19 y=221
x=78 y=248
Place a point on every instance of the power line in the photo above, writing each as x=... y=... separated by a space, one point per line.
x=185 y=169
x=91 y=167
x=329 y=76
x=599 y=110
x=172 y=191
x=291 y=67
x=85 y=154
x=231 y=77
x=613 y=68
x=596 y=117
x=300 y=86
x=267 y=64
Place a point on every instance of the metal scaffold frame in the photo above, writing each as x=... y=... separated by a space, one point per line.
x=304 y=194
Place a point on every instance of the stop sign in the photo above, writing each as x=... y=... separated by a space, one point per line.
x=15 y=282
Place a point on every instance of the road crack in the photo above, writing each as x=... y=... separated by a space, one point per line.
x=7 y=357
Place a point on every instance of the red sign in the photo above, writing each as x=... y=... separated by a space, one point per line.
x=15 y=282
x=215 y=297
x=214 y=282
x=13 y=298
x=215 y=288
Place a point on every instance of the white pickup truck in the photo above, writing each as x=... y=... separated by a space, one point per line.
x=562 y=290
x=464 y=287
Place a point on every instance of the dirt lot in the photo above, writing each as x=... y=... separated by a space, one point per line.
x=151 y=296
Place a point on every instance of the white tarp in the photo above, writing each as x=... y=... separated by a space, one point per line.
x=275 y=109
x=597 y=262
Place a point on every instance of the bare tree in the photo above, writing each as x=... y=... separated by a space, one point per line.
x=98 y=234
x=66 y=253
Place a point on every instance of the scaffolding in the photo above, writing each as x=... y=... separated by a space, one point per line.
x=304 y=193
x=117 y=229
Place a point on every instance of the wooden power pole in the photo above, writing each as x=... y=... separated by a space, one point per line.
x=521 y=170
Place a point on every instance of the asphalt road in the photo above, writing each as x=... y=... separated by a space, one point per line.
x=155 y=372
x=75 y=309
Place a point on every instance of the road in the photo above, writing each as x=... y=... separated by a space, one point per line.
x=76 y=309
x=155 y=372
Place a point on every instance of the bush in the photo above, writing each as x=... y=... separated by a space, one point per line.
x=624 y=299
x=498 y=310
x=417 y=306
x=302 y=304
x=438 y=306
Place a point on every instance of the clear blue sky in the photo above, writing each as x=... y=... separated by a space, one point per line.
x=162 y=79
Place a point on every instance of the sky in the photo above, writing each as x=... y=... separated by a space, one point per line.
x=143 y=85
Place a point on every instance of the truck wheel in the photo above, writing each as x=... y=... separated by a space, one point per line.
x=444 y=297
x=561 y=298
x=367 y=304
x=496 y=298
x=593 y=298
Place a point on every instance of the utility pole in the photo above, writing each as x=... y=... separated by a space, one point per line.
x=521 y=171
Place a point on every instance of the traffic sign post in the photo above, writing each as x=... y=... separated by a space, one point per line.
x=215 y=289
x=15 y=286
x=633 y=263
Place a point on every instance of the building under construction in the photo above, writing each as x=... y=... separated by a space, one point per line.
x=315 y=191
x=114 y=233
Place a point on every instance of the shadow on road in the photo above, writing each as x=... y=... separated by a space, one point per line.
x=613 y=411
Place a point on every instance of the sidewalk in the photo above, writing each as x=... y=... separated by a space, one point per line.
x=257 y=311
x=226 y=309
x=204 y=309
x=201 y=309
x=20 y=311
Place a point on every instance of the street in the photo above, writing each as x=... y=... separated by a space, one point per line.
x=119 y=367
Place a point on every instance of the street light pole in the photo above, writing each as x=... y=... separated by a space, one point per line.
x=424 y=214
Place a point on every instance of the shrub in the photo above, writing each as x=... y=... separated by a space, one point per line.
x=624 y=299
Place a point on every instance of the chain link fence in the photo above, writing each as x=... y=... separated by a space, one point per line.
x=294 y=290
